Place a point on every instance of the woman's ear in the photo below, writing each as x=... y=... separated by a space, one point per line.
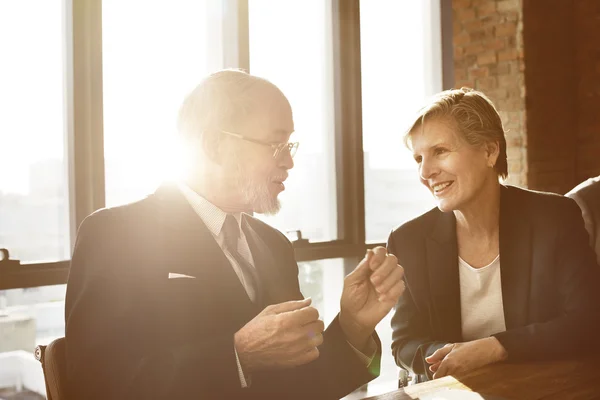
x=492 y=153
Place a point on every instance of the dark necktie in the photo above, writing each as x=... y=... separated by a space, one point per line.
x=231 y=233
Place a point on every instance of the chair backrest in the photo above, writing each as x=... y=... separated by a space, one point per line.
x=53 y=362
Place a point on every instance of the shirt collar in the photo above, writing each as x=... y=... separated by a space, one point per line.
x=212 y=216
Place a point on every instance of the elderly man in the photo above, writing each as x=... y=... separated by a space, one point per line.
x=587 y=196
x=185 y=295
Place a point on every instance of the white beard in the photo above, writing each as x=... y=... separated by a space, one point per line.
x=256 y=194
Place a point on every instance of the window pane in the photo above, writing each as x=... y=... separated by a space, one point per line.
x=28 y=317
x=291 y=45
x=387 y=381
x=154 y=53
x=34 y=217
x=396 y=54
x=323 y=280
x=388 y=378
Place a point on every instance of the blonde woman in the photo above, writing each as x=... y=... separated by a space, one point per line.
x=495 y=272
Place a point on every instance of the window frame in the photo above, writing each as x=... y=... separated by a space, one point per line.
x=85 y=139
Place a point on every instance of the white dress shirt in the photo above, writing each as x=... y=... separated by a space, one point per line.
x=214 y=218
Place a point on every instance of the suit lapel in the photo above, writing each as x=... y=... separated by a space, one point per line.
x=515 y=260
x=276 y=288
x=442 y=266
x=189 y=248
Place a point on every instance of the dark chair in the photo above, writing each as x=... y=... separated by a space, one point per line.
x=53 y=362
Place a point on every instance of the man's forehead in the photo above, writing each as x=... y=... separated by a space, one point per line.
x=272 y=132
x=272 y=120
x=281 y=134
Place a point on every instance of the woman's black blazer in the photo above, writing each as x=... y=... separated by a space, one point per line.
x=550 y=281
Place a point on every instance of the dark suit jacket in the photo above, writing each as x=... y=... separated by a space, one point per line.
x=548 y=272
x=587 y=196
x=132 y=333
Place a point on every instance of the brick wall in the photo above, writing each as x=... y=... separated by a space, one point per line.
x=539 y=61
x=587 y=69
x=488 y=56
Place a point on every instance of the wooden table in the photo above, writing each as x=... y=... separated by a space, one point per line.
x=556 y=380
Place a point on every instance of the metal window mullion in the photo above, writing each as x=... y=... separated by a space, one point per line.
x=348 y=122
x=433 y=43
x=34 y=275
x=324 y=250
x=234 y=34
x=446 y=33
x=85 y=144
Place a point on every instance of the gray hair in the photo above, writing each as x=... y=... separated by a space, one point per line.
x=475 y=116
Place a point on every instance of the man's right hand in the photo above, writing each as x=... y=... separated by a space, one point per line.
x=282 y=336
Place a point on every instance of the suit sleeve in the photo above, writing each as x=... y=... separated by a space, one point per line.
x=412 y=338
x=576 y=330
x=106 y=307
x=337 y=372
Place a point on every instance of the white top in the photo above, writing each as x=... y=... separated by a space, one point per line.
x=481 y=307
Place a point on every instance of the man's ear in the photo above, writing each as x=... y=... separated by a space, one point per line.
x=212 y=146
x=492 y=153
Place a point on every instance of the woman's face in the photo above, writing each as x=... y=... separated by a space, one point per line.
x=455 y=172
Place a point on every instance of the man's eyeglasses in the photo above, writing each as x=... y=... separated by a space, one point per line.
x=278 y=148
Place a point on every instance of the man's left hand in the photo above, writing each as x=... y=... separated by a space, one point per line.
x=370 y=292
x=457 y=358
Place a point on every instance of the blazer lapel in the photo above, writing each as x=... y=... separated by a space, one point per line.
x=189 y=248
x=276 y=288
x=515 y=260
x=442 y=265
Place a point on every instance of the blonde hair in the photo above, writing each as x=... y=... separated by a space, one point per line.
x=475 y=116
